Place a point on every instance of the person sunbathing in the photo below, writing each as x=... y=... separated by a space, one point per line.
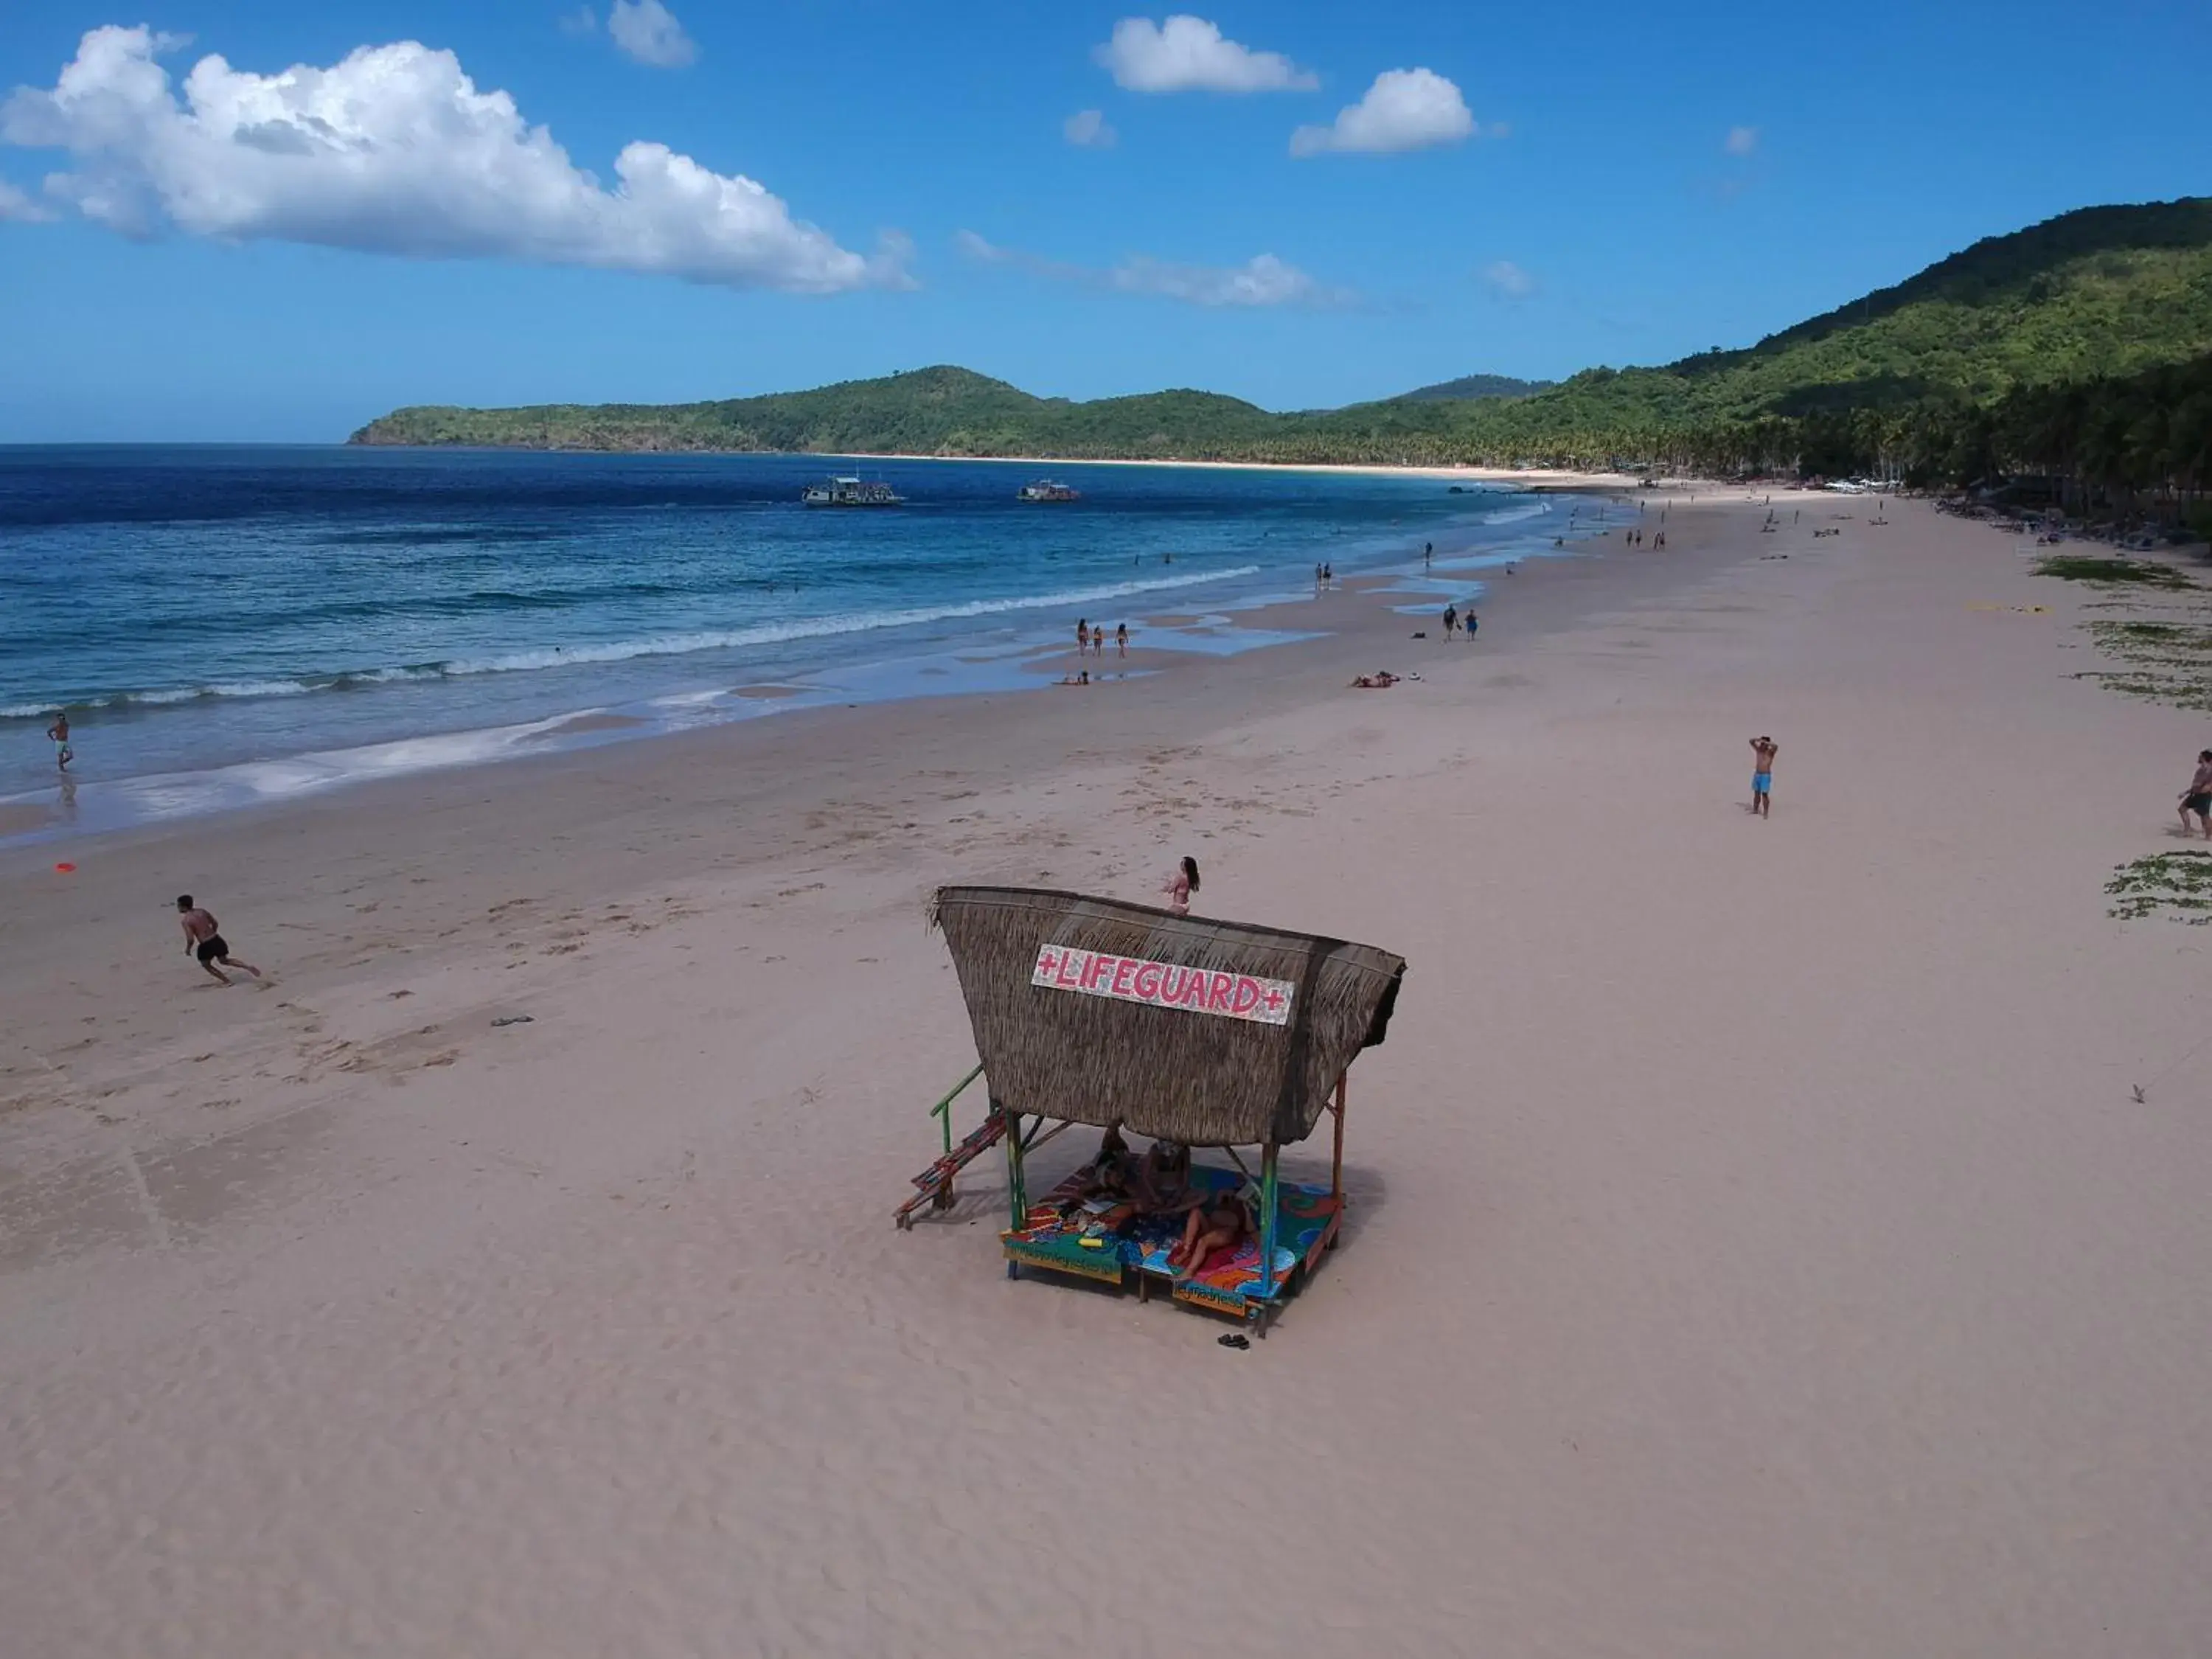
x=1220 y=1223
x=1380 y=682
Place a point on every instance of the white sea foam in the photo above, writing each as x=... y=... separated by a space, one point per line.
x=1515 y=514
x=664 y=645
x=810 y=627
x=177 y=794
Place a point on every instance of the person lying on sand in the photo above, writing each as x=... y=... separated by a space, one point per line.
x=1083 y=678
x=202 y=938
x=1220 y=1224
x=1378 y=682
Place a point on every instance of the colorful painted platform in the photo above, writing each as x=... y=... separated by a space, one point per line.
x=1111 y=1245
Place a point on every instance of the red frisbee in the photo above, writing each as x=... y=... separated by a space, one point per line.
x=64 y=869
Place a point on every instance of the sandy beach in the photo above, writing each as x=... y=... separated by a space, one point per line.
x=1780 y=1238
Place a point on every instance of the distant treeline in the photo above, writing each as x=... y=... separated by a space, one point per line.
x=2076 y=351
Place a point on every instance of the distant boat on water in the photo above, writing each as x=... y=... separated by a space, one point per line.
x=851 y=492
x=1044 y=489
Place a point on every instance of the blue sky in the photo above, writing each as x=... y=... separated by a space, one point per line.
x=1557 y=186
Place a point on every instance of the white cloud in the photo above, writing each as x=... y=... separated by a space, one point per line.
x=1507 y=280
x=393 y=150
x=581 y=21
x=14 y=204
x=1188 y=54
x=1740 y=141
x=1087 y=130
x=1261 y=281
x=647 y=31
x=1405 y=109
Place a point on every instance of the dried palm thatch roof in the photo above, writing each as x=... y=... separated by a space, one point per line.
x=1165 y=1051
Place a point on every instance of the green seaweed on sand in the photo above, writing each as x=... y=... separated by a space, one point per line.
x=2168 y=662
x=2174 y=884
x=2082 y=567
x=2179 y=646
x=2174 y=690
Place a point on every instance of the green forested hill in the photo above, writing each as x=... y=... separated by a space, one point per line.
x=2100 y=297
x=1474 y=387
x=926 y=411
x=2103 y=291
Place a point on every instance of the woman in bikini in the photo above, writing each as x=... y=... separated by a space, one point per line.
x=1180 y=885
x=1220 y=1224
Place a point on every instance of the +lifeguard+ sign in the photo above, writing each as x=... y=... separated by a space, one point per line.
x=1163 y=984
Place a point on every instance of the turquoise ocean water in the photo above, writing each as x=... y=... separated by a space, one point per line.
x=230 y=624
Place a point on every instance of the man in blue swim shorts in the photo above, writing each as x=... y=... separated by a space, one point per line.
x=1763 y=749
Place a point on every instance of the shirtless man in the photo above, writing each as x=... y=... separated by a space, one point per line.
x=1763 y=749
x=59 y=733
x=203 y=940
x=1160 y=1183
x=2197 y=798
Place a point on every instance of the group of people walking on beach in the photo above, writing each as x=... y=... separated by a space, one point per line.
x=1092 y=641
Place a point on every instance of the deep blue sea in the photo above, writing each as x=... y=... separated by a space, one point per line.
x=230 y=624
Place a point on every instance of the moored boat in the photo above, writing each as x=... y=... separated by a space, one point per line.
x=851 y=491
x=1044 y=489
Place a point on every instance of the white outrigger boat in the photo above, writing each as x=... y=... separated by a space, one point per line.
x=851 y=491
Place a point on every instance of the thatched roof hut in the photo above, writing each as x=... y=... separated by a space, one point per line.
x=1212 y=1033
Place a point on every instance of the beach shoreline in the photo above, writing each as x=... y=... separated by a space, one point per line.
x=262 y=740
x=1346 y=629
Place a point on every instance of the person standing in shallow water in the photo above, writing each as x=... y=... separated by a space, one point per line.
x=1180 y=885
x=59 y=732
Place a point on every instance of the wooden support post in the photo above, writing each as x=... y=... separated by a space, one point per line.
x=1267 y=1223
x=1017 y=1198
x=1336 y=1163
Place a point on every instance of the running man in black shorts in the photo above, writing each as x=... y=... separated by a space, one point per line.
x=203 y=940
x=2197 y=798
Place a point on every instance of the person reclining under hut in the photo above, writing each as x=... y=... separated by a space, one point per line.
x=1218 y=1223
x=1109 y=1173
